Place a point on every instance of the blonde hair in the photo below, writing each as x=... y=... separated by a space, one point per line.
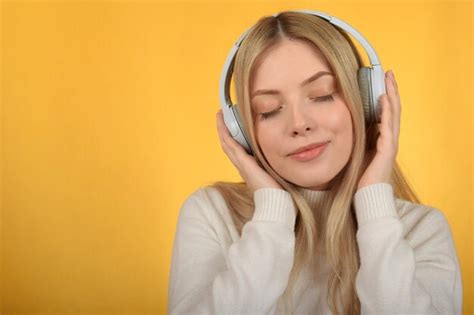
x=332 y=232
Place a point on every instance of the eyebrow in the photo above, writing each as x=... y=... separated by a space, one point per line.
x=312 y=78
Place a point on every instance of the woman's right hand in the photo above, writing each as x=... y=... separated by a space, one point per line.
x=255 y=176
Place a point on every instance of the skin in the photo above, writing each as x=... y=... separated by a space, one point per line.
x=300 y=121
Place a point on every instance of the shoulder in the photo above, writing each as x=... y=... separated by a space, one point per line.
x=204 y=195
x=377 y=201
x=419 y=222
x=412 y=213
x=204 y=203
x=206 y=209
x=422 y=222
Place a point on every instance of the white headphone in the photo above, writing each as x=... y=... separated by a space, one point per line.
x=371 y=82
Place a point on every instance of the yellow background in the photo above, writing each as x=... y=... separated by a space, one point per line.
x=108 y=124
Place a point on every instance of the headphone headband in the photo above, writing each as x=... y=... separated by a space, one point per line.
x=224 y=84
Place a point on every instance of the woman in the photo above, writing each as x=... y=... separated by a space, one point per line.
x=335 y=229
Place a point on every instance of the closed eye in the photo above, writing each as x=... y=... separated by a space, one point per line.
x=325 y=98
x=269 y=114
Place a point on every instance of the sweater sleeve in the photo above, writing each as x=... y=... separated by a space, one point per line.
x=416 y=273
x=249 y=276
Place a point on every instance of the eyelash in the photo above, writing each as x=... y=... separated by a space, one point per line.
x=328 y=98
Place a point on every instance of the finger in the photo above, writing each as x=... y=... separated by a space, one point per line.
x=219 y=128
x=394 y=103
x=385 y=126
x=397 y=110
x=224 y=136
x=233 y=149
x=231 y=142
x=389 y=87
x=386 y=119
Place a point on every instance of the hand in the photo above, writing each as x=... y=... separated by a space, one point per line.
x=255 y=176
x=380 y=168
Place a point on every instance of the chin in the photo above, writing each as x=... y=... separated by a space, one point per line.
x=319 y=177
x=309 y=182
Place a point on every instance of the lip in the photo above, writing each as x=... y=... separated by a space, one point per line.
x=310 y=153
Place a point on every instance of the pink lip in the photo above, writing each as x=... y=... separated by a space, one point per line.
x=309 y=154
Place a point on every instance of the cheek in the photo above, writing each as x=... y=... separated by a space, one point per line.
x=341 y=117
x=267 y=140
x=342 y=123
x=270 y=143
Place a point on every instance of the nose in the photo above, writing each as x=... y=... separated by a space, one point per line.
x=300 y=122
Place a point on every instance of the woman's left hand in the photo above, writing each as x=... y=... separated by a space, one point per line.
x=380 y=168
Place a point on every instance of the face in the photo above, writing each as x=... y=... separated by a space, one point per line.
x=291 y=111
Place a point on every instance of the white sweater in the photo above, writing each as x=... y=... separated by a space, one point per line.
x=408 y=259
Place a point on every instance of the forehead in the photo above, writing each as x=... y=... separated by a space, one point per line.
x=287 y=63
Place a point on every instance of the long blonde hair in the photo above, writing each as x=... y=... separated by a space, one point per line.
x=332 y=232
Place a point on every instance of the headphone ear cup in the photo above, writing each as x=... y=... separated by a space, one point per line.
x=365 y=88
x=241 y=137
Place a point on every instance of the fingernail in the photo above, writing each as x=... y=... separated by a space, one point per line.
x=392 y=75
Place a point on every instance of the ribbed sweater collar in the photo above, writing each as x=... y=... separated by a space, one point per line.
x=317 y=199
